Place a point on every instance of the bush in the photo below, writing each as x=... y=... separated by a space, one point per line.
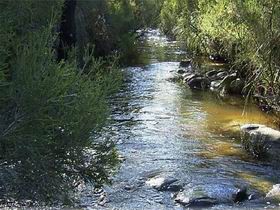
x=49 y=111
x=244 y=32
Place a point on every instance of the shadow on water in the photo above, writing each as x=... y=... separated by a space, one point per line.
x=163 y=128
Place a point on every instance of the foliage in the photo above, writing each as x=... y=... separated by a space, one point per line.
x=49 y=110
x=245 y=32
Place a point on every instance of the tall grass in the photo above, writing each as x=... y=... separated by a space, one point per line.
x=245 y=32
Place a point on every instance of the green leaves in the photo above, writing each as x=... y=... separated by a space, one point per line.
x=49 y=110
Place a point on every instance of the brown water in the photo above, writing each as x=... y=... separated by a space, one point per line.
x=164 y=128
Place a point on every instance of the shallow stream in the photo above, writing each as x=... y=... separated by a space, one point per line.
x=162 y=128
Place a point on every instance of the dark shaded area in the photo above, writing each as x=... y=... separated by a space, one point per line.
x=67 y=31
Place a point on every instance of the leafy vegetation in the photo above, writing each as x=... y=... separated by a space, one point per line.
x=244 y=32
x=49 y=110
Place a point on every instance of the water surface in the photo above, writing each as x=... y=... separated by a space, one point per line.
x=163 y=128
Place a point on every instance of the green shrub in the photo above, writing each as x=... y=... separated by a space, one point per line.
x=49 y=111
x=244 y=32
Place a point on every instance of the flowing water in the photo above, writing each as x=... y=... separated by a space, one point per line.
x=163 y=128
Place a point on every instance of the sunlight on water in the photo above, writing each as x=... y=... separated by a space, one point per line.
x=163 y=128
x=260 y=183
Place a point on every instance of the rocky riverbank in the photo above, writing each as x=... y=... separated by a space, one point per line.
x=260 y=141
x=218 y=80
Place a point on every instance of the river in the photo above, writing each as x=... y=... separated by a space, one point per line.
x=162 y=128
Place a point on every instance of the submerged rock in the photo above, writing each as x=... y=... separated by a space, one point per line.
x=240 y=195
x=165 y=184
x=183 y=199
x=261 y=140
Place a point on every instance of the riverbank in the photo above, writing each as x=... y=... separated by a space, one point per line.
x=205 y=73
x=215 y=77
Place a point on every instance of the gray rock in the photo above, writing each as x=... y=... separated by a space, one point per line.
x=186 y=201
x=221 y=75
x=200 y=83
x=214 y=85
x=274 y=193
x=188 y=77
x=212 y=73
x=174 y=187
x=261 y=140
x=165 y=184
x=216 y=75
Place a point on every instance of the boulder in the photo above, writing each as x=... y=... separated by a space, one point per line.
x=211 y=73
x=228 y=79
x=240 y=195
x=236 y=86
x=200 y=83
x=165 y=184
x=216 y=75
x=214 y=85
x=217 y=58
x=274 y=193
x=199 y=202
x=221 y=75
x=224 y=86
x=187 y=74
x=185 y=63
x=181 y=71
x=260 y=140
x=188 y=77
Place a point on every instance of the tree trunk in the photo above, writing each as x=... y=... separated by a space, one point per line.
x=67 y=31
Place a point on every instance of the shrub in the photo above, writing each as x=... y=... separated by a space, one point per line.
x=49 y=111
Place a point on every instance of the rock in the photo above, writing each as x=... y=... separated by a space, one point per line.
x=186 y=201
x=274 y=193
x=181 y=71
x=187 y=74
x=200 y=83
x=165 y=184
x=227 y=80
x=221 y=75
x=175 y=187
x=236 y=86
x=185 y=63
x=261 y=140
x=217 y=58
x=224 y=86
x=214 y=85
x=240 y=195
x=188 y=77
x=216 y=75
x=212 y=73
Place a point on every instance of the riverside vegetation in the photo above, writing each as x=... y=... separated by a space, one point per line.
x=245 y=34
x=58 y=65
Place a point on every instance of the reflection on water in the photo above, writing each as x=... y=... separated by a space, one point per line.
x=164 y=128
